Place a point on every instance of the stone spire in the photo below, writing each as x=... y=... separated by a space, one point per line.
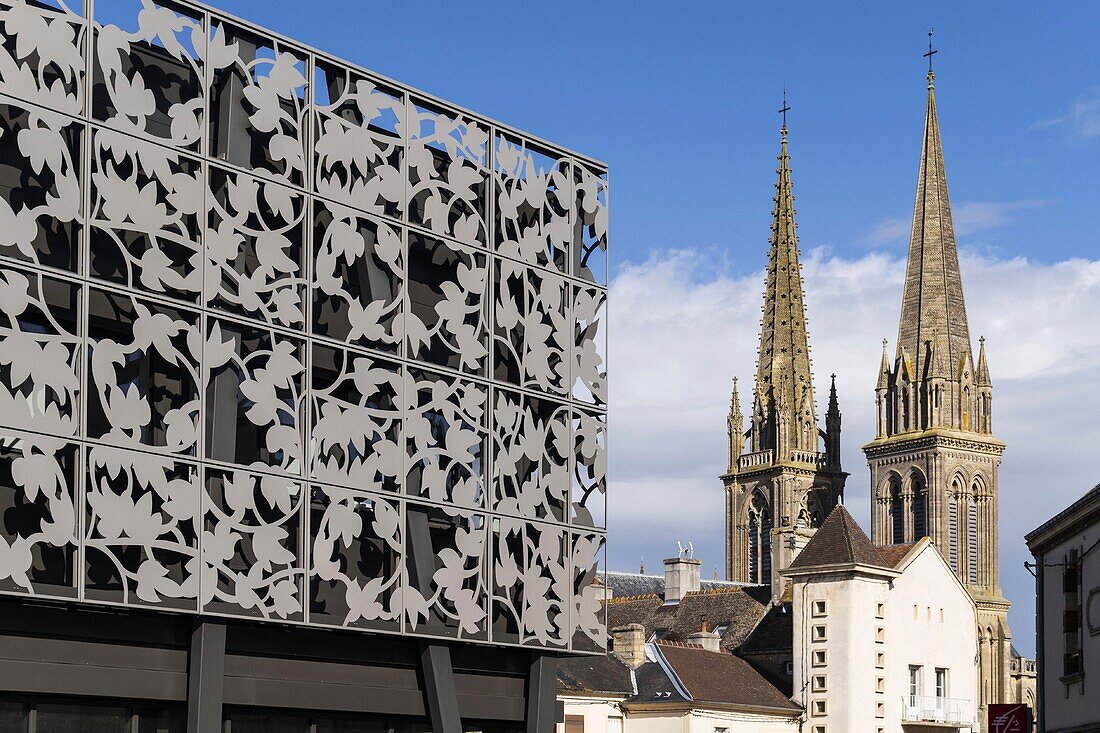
x=832 y=427
x=982 y=379
x=784 y=390
x=736 y=428
x=933 y=312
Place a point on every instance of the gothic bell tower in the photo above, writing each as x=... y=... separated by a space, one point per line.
x=934 y=460
x=782 y=487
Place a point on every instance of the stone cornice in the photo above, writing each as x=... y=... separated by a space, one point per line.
x=935 y=438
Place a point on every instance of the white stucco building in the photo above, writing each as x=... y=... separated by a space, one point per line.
x=1067 y=582
x=884 y=638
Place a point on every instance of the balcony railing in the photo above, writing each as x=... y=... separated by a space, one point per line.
x=752 y=460
x=765 y=457
x=813 y=457
x=932 y=709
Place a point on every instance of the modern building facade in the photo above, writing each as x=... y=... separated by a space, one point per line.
x=302 y=388
x=783 y=486
x=934 y=460
x=1067 y=623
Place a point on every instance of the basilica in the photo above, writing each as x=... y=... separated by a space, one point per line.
x=933 y=460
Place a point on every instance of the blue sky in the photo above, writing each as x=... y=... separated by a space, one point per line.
x=681 y=100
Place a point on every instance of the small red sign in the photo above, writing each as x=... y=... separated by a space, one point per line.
x=1012 y=718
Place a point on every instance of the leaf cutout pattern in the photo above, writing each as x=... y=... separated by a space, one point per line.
x=448 y=174
x=445 y=321
x=589 y=346
x=359 y=149
x=532 y=194
x=40 y=339
x=254 y=395
x=588 y=598
x=357 y=561
x=141 y=533
x=150 y=80
x=258 y=114
x=254 y=237
x=531 y=328
x=143 y=374
x=146 y=214
x=445 y=593
x=590 y=220
x=38 y=490
x=251 y=545
x=358 y=278
x=41 y=211
x=445 y=438
x=42 y=54
x=282 y=339
x=589 y=469
x=531 y=448
x=356 y=428
x=530 y=583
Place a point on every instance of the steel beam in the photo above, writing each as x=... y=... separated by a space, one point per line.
x=439 y=687
x=205 y=678
x=541 y=694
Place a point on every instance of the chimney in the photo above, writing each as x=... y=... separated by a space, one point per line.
x=628 y=644
x=709 y=640
x=681 y=578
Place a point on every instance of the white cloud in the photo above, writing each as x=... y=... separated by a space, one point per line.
x=969 y=217
x=681 y=326
x=1081 y=119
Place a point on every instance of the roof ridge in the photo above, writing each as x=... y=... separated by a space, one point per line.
x=620 y=599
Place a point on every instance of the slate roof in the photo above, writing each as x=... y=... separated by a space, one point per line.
x=604 y=674
x=839 y=541
x=639 y=584
x=774 y=633
x=706 y=677
x=718 y=677
x=738 y=608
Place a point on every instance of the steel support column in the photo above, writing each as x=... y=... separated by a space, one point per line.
x=439 y=687
x=205 y=675
x=542 y=694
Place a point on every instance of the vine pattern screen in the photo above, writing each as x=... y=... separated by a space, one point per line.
x=283 y=339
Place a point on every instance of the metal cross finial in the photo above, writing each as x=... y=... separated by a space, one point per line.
x=786 y=108
x=931 y=52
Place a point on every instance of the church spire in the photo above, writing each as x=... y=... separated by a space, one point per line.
x=933 y=311
x=783 y=379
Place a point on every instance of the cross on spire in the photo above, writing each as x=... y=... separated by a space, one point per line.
x=931 y=52
x=786 y=108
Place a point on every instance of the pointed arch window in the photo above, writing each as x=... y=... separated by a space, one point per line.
x=953 y=529
x=972 y=539
x=897 y=513
x=920 y=508
x=760 y=532
x=966 y=408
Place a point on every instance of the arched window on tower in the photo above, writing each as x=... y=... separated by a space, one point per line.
x=966 y=408
x=897 y=513
x=760 y=541
x=905 y=409
x=920 y=507
x=953 y=528
x=972 y=538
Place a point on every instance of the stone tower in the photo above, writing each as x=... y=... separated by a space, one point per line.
x=934 y=460
x=782 y=488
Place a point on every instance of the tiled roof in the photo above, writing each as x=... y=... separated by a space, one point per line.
x=774 y=633
x=839 y=541
x=894 y=554
x=718 y=677
x=594 y=674
x=737 y=608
